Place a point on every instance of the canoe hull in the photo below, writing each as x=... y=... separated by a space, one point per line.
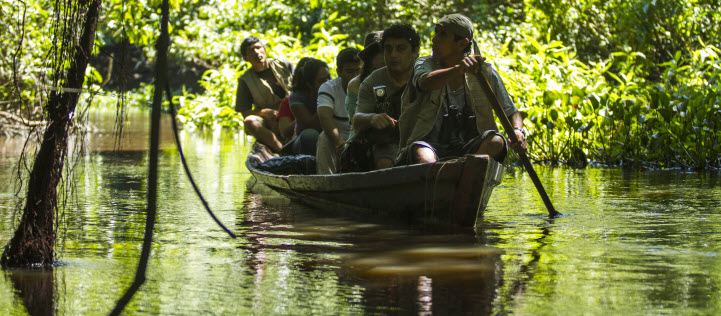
x=453 y=193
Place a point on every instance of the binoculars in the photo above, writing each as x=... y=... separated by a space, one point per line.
x=459 y=124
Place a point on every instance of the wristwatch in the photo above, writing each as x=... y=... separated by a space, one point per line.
x=523 y=130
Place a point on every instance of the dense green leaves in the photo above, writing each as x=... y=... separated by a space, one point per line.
x=612 y=81
x=610 y=112
x=23 y=51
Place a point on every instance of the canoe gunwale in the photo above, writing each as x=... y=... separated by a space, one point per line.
x=420 y=190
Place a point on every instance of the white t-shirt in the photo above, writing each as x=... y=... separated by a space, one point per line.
x=331 y=95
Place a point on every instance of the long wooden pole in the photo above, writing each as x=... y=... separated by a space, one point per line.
x=512 y=136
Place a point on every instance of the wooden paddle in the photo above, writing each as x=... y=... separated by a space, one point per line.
x=512 y=136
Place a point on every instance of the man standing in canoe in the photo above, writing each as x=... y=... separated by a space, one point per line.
x=445 y=112
x=260 y=90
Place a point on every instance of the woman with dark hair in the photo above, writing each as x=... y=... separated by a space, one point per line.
x=372 y=57
x=285 y=118
x=356 y=156
x=304 y=104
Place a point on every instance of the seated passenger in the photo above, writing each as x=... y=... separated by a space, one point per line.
x=332 y=112
x=260 y=90
x=286 y=121
x=303 y=104
x=372 y=57
x=379 y=95
x=446 y=113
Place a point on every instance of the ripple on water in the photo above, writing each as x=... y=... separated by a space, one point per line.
x=635 y=242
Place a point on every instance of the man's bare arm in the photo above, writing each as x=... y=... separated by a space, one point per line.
x=286 y=127
x=438 y=78
x=364 y=121
x=327 y=122
x=247 y=113
x=517 y=122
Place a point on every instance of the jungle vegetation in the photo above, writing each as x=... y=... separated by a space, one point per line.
x=615 y=82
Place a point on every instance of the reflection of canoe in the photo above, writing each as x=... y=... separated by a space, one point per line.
x=453 y=192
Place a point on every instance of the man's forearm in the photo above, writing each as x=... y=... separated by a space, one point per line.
x=286 y=127
x=333 y=134
x=362 y=121
x=436 y=79
x=315 y=122
x=330 y=128
x=516 y=119
x=247 y=113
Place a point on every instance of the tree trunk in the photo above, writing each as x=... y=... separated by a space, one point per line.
x=34 y=238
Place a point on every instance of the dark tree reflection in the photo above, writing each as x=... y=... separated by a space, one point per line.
x=36 y=288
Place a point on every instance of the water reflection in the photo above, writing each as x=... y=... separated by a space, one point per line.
x=399 y=269
x=634 y=242
x=36 y=289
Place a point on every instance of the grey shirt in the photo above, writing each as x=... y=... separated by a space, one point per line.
x=421 y=108
x=367 y=99
x=456 y=135
x=424 y=66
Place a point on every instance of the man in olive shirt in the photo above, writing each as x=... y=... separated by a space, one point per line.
x=260 y=90
x=378 y=111
x=445 y=111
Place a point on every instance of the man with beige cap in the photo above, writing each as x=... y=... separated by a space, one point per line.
x=445 y=112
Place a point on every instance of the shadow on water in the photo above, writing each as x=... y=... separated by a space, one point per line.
x=516 y=285
x=118 y=179
x=394 y=268
x=36 y=289
x=123 y=156
x=638 y=242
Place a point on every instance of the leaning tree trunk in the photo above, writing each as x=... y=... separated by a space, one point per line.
x=34 y=238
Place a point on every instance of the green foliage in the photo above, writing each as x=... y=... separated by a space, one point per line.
x=656 y=29
x=612 y=81
x=30 y=56
x=214 y=108
x=618 y=117
x=23 y=51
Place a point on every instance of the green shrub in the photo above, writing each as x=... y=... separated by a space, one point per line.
x=617 y=82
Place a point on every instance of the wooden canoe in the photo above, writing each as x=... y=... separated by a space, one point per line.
x=453 y=192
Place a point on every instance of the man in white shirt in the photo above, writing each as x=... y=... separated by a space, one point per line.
x=332 y=112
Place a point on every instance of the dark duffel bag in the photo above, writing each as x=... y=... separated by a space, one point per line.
x=286 y=165
x=357 y=156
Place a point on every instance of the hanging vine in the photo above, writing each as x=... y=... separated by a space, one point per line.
x=35 y=237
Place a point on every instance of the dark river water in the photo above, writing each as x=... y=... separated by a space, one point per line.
x=632 y=242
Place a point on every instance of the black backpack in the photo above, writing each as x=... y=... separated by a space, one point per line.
x=357 y=155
